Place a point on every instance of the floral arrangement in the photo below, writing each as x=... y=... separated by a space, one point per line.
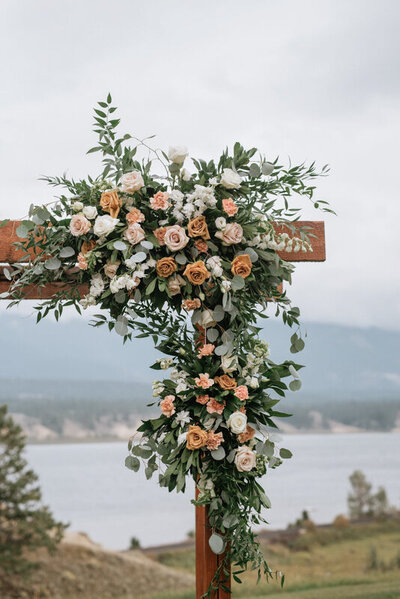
x=189 y=258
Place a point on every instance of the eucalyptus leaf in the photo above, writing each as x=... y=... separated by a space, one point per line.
x=66 y=252
x=254 y=170
x=138 y=257
x=212 y=335
x=120 y=296
x=218 y=454
x=285 y=453
x=148 y=245
x=295 y=385
x=180 y=258
x=218 y=313
x=267 y=168
x=120 y=245
x=237 y=283
x=52 y=264
x=221 y=350
x=217 y=543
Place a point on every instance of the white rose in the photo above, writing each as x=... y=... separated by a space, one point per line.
x=104 y=225
x=77 y=206
x=207 y=319
x=245 y=459
x=96 y=285
x=229 y=364
x=88 y=300
x=230 y=179
x=186 y=175
x=177 y=154
x=220 y=223
x=90 y=212
x=237 y=422
x=118 y=283
x=131 y=182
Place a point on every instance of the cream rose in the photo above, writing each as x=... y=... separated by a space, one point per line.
x=134 y=234
x=237 y=422
x=104 y=225
x=207 y=319
x=79 y=225
x=177 y=154
x=110 y=268
x=232 y=234
x=229 y=364
x=90 y=212
x=245 y=459
x=175 y=238
x=230 y=179
x=131 y=182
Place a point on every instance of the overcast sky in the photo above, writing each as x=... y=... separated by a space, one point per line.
x=313 y=80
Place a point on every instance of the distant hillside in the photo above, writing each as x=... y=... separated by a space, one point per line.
x=342 y=362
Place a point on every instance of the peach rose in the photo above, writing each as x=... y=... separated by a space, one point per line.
x=197 y=272
x=229 y=206
x=214 y=407
x=203 y=399
x=166 y=267
x=242 y=392
x=206 y=350
x=204 y=381
x=110 y=202
x=135 y=216
x=82 y=262
x=226 y=382
x=247 y=435
x=191 y=304
x=110 y=268
x=79 y=225
x=160 y=201
x=160 y=234
x=174 y=285
x=167 y=405
x=197 y=227
x=245 y=459
x=196 y=438
x=175 y=238
x=134 y=234
x=232 y=234
x=131 y=182
x=87 y=246
x=241 y=266
x=214 y=440
x=201 y=245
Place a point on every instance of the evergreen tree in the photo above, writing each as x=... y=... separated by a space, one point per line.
x=25 y=524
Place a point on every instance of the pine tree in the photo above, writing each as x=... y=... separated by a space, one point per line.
x=25 y=524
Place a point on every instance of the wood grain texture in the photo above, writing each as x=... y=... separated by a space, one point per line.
x=10 y=254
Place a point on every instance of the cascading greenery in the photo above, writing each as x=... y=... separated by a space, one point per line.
x=191 y=259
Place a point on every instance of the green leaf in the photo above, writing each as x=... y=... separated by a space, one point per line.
x=132 y=463
x=295 y=385
x=217 y=543
x=285 y=453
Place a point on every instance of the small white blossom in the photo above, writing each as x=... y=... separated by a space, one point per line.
x=182 y=417
x=96 y=285
x=220 y=223
x=77 y=206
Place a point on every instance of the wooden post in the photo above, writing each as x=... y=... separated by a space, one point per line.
x=207 y=562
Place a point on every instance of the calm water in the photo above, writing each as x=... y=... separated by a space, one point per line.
x=88 y=486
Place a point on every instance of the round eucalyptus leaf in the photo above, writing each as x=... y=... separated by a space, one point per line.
x=181 y=258
x=196 y=316
x=267 y=168
x=212 y=335
x=120 y=296
x=252 y=253
x=120 y=245
x=148 y=245
x=218 y=454
x=52 y=264
x=37 y=220
x=254 y=170
x=230 y=520
x=217 y=544
x=237 y=283
x=66 y=252
x=121 y=327
x=139 y=257
x=137 y=297
x=218 y=313
x=228 y=336
x=285 y=453
x=21 y=231
x=221 y=350
x=295 y=385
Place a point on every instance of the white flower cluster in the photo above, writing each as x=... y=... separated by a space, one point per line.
x=165 y=363
x=214 y=265
x=253 y=362
x=158 y=388
x=278 y=242
x=193 y=205
x=179 y=377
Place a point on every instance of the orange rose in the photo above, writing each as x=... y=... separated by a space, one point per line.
x=197 y=272
x=190 y=304
x=160 y=234
x=110 y=202
x=196 y=438
x=226 y=382
x=87 y=246
x=201 y=245
x=166 y=267
x=247 y=435
x=197 y=227
x=241 y=266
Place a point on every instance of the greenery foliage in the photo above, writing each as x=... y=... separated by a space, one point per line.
x=156 y=244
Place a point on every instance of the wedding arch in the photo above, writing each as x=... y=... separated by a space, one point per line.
x=194 y=260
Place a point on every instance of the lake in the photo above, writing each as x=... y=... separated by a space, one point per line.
x=88 y=486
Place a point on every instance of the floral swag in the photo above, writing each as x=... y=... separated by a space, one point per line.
x=191 y=260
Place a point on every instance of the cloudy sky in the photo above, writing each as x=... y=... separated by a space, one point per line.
x=313 y=80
